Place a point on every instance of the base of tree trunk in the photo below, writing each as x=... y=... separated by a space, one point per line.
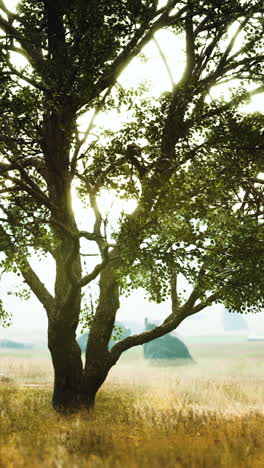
x=87 y=402
x=70 y=400
x=65 y=399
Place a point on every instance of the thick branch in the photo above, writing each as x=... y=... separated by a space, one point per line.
x=37 y=286
x=168 y=325
x=36 y=194
x=203 y=304
x=25 y=78
x=30 y=186
x=31 y=278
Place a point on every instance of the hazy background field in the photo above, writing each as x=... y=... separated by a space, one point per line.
x=209 y=414
x=212 y=359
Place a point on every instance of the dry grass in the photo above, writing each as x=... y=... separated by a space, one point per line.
x=145 y=417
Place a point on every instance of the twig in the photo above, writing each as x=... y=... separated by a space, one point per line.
x=165 y=61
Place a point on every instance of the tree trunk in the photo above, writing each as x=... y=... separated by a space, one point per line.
x=98 y=361
x=67 y=363
x=93 y=377
x=75 y=387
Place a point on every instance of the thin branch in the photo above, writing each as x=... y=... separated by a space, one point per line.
x=231 y=44
x=32 y=187
x=4 y=8
x=247 y=61
x=165 y=61
x=207 y=54
x=101 y=241
x=142 y=37
x=34 y=55
x=36 y=194
x=233 y=101
x=91 y=276
x=81 y=142
x=174 y=294
x=87 y=235
x=258 y=181
x=89 y=255
x=172 y=20
x=27 y=79
x=90 y=236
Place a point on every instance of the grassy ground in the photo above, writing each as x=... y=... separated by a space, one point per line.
x=206 y=415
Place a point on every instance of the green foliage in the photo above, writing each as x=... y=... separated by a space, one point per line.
x=191 y=162
x=23 y=294
x=5 y=317
x=206 y=216
x=94 y=33
x=87 y=313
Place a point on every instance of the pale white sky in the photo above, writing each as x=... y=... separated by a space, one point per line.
x=30 y=314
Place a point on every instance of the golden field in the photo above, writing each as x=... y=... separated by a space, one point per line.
x=206 y=415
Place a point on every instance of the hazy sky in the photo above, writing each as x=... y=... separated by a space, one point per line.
x=30 y=314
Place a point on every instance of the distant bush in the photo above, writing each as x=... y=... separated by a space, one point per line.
x=166 y=347
x=14 y=344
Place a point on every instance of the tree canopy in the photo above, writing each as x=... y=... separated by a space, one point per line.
x=192 y=163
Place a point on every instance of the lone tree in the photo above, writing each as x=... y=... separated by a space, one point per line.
x=192 y=163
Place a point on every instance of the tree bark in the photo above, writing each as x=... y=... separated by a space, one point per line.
x=67 y=362
x=98 y=361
